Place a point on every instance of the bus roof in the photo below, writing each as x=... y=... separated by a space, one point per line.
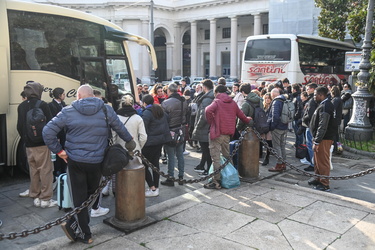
x=57 y=10
x=309 y=39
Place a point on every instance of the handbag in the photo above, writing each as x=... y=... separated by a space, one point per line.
x=178 y=133
x=115 y=156
x=301 y=151
x=229 y=174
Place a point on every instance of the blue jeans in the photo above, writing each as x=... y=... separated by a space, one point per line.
x=178 y=152
x=299 y=138
x=309 y=144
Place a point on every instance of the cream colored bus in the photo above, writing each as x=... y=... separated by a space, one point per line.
x=57 y=47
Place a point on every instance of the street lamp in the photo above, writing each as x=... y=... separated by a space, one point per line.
x=359 y=127
x=152 y=80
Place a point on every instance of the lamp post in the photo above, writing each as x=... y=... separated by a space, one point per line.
x=152 y=80
x=359 y=127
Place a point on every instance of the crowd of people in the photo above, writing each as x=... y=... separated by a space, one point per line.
x=207 y=117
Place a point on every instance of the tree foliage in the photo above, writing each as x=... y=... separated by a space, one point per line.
x=339 y=17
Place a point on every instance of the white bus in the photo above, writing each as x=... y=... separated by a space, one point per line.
x=300 y=58
x=57 y=47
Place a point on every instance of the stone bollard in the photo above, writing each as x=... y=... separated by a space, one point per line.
x=248 y=159
x=130 y=214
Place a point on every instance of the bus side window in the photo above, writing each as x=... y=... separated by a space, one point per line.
x=18 y=59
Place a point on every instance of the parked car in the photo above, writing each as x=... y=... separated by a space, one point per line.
x=214 y=79
x=177 y=78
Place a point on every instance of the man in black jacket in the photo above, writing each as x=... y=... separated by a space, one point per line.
x=38 y=155
x=323 y=128
x=175 y=106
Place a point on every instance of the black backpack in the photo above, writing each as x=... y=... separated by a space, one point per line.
x=260 y=119
x=35 y=121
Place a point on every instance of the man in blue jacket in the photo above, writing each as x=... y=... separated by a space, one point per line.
x=86 y=140
x=278 y=129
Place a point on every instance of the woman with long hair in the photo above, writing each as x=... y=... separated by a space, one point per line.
x=56 y=105
x=267 y=100
x=157 y=129
x=158 y=94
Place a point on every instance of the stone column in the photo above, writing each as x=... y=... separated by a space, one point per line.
x=212 y=47
x=177 y=52
x=145 y=64
x=169 y=59
x=257 y=24
x=233 y=48
x=193 y=48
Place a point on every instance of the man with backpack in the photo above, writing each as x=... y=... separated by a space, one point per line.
x=252 y=107
x=33 y=115
x=278 y=128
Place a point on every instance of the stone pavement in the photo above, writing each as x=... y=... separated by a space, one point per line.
x=279 y=211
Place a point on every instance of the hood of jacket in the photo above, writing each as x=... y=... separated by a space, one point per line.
x=224 y=97
x=33 y=90
x=88 y=106
x=177 y=96
x=253 y=98
x=209 y=94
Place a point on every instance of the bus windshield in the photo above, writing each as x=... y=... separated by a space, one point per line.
x=268 y=50
x=71 y=47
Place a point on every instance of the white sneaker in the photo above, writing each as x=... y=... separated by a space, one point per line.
x=304 y=161
x=99 y=212
x=186 y=152
x=37 y=202
x=152 y=193
x=24 y=194
x=49 y=203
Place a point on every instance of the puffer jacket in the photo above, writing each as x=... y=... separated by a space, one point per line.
x=201 y=127
x=221 y=114
x=86 y=130
x=248 y=110
x=172 y=106
x=157 y=129
x=274 y=116
x=323 y=125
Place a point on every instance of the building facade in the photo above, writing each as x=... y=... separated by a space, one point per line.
x=198 y=37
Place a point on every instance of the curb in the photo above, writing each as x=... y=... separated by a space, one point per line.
x=359 y=152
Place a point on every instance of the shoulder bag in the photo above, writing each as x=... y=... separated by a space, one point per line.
x=178 y=133
x=115 y=156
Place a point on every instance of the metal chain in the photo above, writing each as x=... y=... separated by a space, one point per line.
x=161 y=173
x=58 y=221
x=344 y=177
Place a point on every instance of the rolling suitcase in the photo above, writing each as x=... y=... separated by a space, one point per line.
x=63 y=195
x=232 y=145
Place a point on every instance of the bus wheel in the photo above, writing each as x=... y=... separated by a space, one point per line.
x=22 y=158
